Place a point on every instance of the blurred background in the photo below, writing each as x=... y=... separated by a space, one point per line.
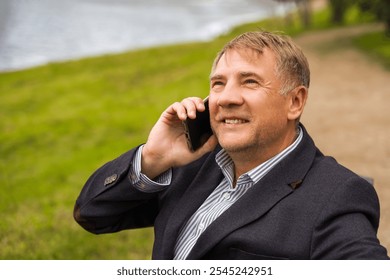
x=81 y=82
x=37 y=32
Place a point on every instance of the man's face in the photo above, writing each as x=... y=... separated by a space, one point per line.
x=247 y=112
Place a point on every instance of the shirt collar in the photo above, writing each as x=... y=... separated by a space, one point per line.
x=227 y=166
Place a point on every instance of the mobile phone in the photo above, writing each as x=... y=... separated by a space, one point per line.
x=198 y=130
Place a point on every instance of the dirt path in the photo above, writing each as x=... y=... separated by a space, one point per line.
x=348 y=111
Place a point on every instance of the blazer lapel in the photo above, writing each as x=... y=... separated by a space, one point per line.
x=280 y=182
x=201 y=187
x=255 y=203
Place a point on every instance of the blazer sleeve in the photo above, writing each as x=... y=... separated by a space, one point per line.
x=109 y=202
x=347 y=226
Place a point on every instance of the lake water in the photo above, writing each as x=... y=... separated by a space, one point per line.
x=35 y=32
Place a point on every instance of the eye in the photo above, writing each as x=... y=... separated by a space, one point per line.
x=252 y=83
x=217 y=84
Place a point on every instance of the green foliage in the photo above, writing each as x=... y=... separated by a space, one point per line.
x=377 y=44
x=378 y=9
x=338 y=7
x=62 y=121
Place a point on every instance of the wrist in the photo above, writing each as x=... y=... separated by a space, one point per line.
x=153 y=164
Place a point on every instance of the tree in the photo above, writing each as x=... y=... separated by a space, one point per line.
x=304 y=9
x=386 y=15
x=380 y=8
x=338 y=7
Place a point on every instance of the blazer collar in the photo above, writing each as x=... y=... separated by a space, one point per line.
x=208 y=178
x=280 y=182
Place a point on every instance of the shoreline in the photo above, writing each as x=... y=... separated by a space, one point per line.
x=122 y=29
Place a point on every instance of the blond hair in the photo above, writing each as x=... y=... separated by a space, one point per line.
x=292 y=66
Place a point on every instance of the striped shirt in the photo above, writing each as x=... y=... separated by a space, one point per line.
x=223 y=196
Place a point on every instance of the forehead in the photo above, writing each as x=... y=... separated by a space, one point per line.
x=245 y=59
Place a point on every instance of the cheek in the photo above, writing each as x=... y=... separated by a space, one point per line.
x=275 y=108
x=213 y=121
x=213 y=107
x=268 y=118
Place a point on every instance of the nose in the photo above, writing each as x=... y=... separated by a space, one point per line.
x=230 y=96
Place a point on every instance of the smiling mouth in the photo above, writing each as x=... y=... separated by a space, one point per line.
x=234 y=121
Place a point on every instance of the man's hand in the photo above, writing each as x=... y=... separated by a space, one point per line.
x=167 y=145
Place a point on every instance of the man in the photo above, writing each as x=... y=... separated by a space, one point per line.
x=257 y=189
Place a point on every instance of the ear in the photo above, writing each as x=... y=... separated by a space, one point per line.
x=297 y=101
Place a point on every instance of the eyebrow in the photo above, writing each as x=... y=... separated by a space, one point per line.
x=250 y=74
x=216 y=77
x=242 y=74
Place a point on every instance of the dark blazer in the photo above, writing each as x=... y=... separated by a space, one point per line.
x=307 y=207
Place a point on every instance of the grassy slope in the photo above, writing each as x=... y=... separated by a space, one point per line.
x=62 y=121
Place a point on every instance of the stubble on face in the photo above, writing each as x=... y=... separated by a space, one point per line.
x=249 y=121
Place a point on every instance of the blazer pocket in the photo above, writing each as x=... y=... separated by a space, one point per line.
x=238 y=254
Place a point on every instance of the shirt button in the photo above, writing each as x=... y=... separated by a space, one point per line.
x=201 y=226
x=226 y=196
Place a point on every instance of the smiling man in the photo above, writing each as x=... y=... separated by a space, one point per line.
x=257 y=189
x=252 y=119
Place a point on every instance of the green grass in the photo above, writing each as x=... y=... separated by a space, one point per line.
x=62 y=121
x=376 y=44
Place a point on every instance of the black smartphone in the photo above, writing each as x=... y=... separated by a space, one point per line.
x=198 y=130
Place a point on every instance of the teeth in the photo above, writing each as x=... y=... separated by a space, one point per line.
x=234 y=121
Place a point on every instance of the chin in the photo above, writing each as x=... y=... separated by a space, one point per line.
x=233 y=146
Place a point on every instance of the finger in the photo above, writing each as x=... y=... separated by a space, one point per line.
x=186 y=108
x=179 y=110
x=190 y=106
x=200 y=105
x=193 y=104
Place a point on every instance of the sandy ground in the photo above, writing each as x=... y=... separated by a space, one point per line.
x=348 y=112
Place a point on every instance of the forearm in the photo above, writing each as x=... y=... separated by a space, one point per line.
x=110 y=202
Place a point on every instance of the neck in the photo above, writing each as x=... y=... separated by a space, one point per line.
x=247 y=159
